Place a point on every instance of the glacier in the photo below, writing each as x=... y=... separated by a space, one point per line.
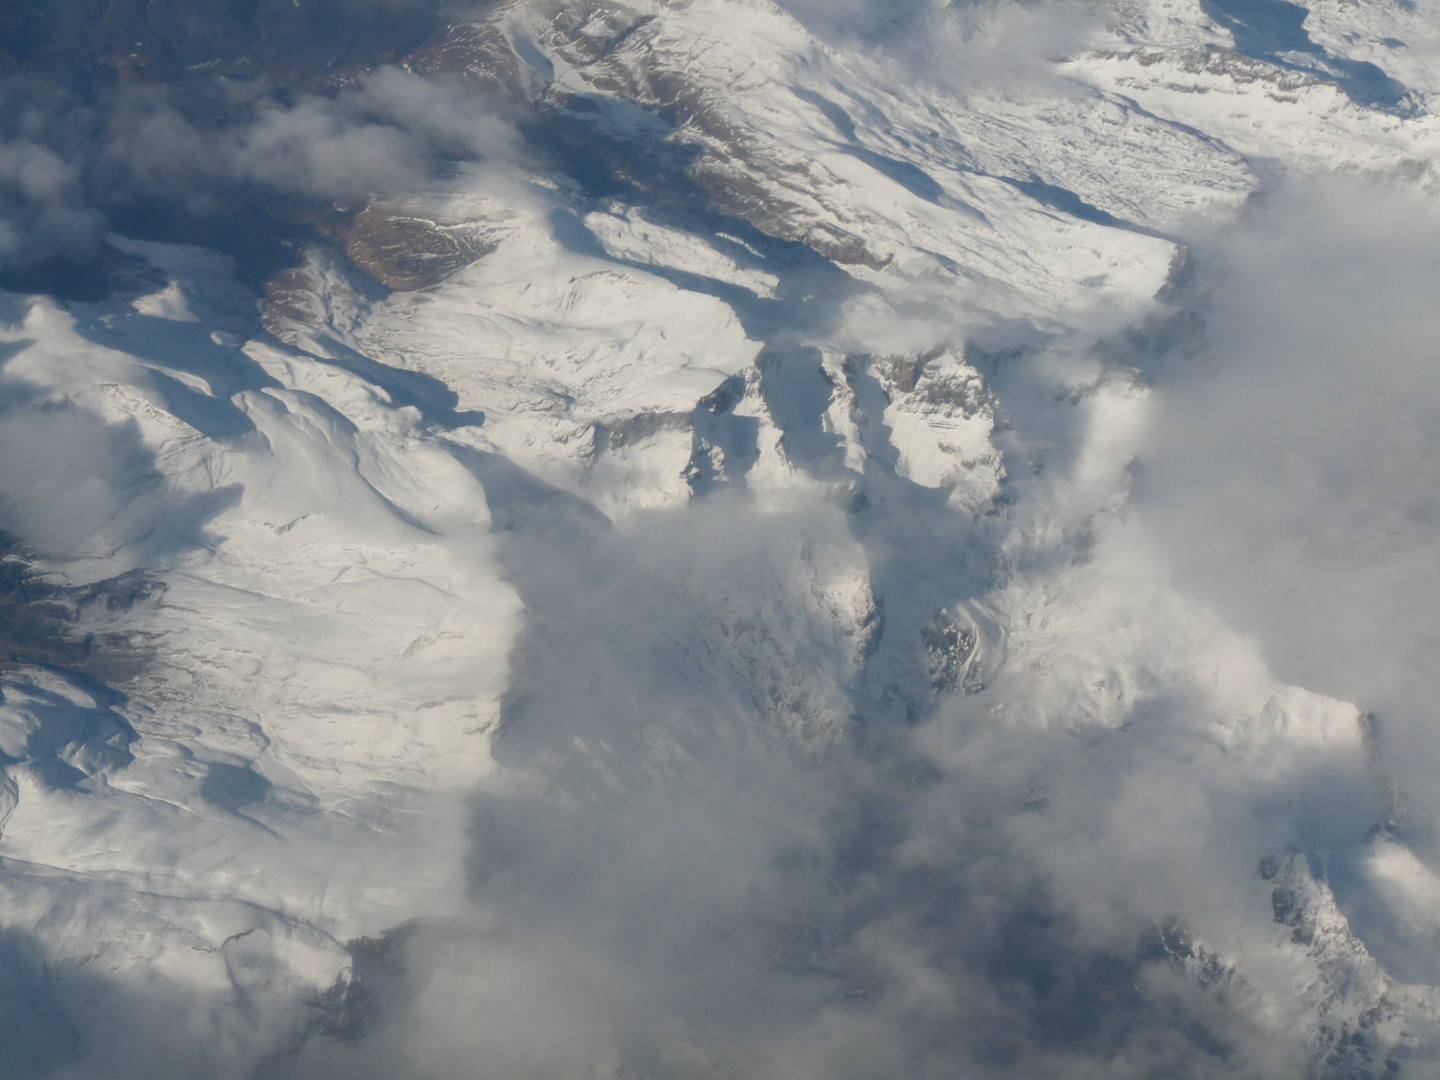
x=829 y=540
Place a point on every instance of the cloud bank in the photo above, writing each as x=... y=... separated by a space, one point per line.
x=1290 y=481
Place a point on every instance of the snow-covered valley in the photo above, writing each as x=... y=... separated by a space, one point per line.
x=828 y=541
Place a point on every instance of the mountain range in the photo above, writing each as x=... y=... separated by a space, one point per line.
x=718 y=538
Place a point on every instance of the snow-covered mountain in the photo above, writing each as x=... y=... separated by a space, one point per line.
x=703 y=584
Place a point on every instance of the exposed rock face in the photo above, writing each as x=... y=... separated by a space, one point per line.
x=404 y=252
x=1368 y=1026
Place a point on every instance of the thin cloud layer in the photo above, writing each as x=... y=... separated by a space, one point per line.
x=387 y=135
x=69 y=174
x=957 y=44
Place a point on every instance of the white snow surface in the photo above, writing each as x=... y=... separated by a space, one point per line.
x=656 y=526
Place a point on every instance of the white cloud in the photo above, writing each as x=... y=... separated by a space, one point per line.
x=1292 y=472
